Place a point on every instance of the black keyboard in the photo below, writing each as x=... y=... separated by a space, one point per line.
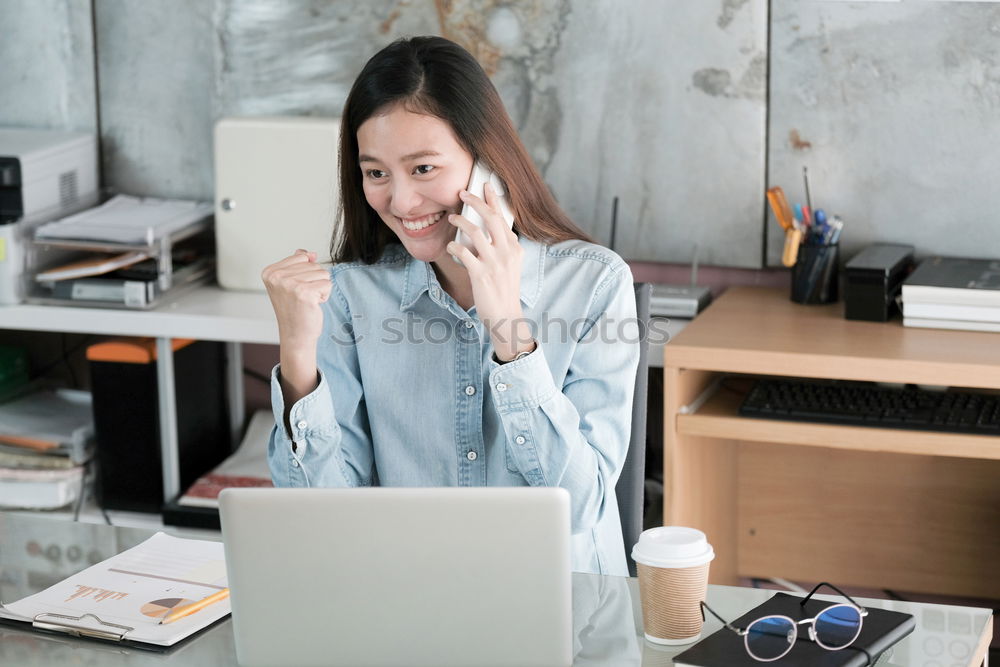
x=868 y=404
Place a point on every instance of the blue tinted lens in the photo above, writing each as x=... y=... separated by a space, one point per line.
x=770 y=638
x=837 y=627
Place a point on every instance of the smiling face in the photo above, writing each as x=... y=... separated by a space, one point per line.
x=413 y=168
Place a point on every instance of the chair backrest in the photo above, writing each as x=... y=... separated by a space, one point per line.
x=632 y=481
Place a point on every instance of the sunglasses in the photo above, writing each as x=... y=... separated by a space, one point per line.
x=771 y=637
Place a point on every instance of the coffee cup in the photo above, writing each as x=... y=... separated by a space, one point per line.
x=672 y=564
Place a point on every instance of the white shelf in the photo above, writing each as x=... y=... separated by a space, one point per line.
x=203 y=313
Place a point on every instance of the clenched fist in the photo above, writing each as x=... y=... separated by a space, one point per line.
x=297 y=287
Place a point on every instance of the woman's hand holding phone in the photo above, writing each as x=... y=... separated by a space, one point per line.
x=297 y=287
x=495 y=271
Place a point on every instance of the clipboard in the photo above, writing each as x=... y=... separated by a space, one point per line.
x=58 y=626
x=122 y=599
x=50 y=623
x=62 y=624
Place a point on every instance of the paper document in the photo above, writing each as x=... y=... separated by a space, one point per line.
x=128 y=594
x=125 y=219
x=95 y=266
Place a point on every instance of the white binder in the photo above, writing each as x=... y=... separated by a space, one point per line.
x=276 y=190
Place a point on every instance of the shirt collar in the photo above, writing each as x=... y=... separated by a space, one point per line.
x=419 y=277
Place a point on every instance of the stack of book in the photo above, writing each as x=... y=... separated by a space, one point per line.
x=46 y=438
x=953 y=293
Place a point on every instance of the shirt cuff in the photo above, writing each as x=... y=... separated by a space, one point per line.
x=523 y=384
x=309 y=415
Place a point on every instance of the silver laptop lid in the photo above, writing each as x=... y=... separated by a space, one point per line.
x=392 y=576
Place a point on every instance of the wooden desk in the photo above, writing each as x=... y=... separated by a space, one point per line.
x=908 y=510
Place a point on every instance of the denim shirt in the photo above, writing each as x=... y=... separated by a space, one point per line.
x=409 y=393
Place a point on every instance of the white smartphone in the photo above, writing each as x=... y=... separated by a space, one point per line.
x=481 y=175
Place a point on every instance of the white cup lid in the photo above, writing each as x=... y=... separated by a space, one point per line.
x=672 y=546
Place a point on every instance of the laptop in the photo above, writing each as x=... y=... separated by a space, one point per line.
x=399 y=576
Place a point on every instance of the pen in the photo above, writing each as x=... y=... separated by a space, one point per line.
x=819 y=225
x=837 y=229
x=187 y=610
x=820 y=217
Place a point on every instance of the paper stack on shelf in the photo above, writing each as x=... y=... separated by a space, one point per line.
x=46 y=437
x=953 y=293
x=127 y=220
x=130 y=251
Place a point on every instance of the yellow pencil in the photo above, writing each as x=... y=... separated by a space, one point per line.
x=186 y=610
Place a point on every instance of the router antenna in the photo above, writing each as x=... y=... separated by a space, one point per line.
x=614 y=222
x=694 y=266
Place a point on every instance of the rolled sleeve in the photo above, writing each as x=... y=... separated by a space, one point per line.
x=291 y=456
x=330 y=441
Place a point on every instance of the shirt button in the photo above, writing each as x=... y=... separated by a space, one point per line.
x=470 y=390
x=520 y=440
x=469 y=324
x=295 y=464
x=472 y=456
x=301 y=424
x=501 y=387
x=435 y=293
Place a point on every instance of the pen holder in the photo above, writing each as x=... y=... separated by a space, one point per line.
x=815 y=275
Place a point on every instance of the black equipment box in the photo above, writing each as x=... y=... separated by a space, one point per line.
x=127 y=419
x=874 y=280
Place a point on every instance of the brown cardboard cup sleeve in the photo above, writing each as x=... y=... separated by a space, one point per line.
x=672 y=563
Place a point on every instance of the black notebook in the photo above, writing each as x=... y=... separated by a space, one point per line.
x=880 y=630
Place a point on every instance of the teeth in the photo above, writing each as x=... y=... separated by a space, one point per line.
x=426 y=221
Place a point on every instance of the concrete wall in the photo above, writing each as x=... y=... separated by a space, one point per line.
x=47 y=70
x=156 y=74
x=664 y=104
x=895 y=108
x=654 y=102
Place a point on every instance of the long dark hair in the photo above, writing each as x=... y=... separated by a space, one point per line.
x=434 y=76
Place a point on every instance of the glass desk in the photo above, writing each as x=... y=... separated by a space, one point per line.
x=38 y=551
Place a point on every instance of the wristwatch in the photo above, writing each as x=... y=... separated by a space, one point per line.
x=519 y=355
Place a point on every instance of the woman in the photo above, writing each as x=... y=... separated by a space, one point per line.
x=403 y=367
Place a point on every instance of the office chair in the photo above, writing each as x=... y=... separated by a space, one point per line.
x=632 y=480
